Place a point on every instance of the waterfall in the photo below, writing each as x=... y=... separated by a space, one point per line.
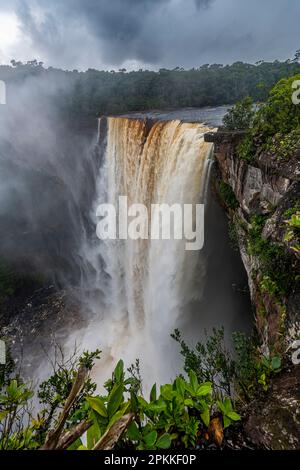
x=143 y=286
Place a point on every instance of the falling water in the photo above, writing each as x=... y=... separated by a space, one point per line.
x=144 y=285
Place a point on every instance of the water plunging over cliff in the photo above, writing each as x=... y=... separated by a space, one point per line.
x=144 y=285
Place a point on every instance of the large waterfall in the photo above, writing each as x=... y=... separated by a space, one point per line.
x=143 y=286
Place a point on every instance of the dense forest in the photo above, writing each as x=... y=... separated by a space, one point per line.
x=95 y=92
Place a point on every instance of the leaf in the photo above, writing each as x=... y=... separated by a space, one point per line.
x=119 y=371
x=233 y=416
x=133 y=432
x=156 y=407
x=226 y=421
x=221 y=406
x=118 y=415
x=276 y=363
x=193 y=380
x=153 y=393
x=150 y=439
x=205 y=389
x=227 y=405
x=167 y=392
x=115 y=399
x=205 y=416
x=142 y=402
x=92 y=436
x=164 y=441
x=97 y=404
x=180 y=386
x=75 y=445
x=189 y=402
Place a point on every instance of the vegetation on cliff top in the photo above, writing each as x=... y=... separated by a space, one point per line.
x=273 y=127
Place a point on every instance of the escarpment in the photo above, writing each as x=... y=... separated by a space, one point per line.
x=261 y=196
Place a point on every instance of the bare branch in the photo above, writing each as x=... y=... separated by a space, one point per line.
x=113 y=434
x=53 y=436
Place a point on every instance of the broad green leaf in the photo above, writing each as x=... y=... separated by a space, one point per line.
x=75 y=445
x=142 y=402
x=233 y=415
x=227 y=404
x=153 y=393
x=118 y=415
x=193 y=380
x=189 y=402
x=115 y=399
x=164 y=441
x=167 y=392
x=150 y=439
x=97 y=404
x=204 y=389
x=133 y=432
x=205 y=416
x=92 y=436
x=221 y=406
x=276 y=363
x=119 y=371
x=156 y=407
x=82 y=448
x=226 y=421
x=180 y=385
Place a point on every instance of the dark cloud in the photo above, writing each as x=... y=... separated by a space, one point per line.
x=156 y=33
x=203 y=3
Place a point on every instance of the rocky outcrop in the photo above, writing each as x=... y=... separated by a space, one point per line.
x=274 y=422
x=270 y=188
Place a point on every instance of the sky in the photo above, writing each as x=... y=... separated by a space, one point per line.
x=133 y=34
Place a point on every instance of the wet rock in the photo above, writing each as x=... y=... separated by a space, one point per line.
x=274 y=421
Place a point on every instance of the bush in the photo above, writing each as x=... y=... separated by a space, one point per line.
x=227 y=195
x=240 y=116
x=273 y=126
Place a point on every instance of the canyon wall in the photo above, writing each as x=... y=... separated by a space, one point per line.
x=267 y=188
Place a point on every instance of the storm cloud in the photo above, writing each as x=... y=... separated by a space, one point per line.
x=152 y=33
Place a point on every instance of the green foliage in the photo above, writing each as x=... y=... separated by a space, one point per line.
x=13 y=402
x=240 y=116
x=246 y=149
x=176 y=416
x=53 y=392
x=172 y=418
x=229 y=415
x=284 y=146
x=101 y=92
x=278 y=277
x=241 y=371
x=279 y=115
x=292 y=234
x=227 y=195
x=275 y=125
x=210 y=361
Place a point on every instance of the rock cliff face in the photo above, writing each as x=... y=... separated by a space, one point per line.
x=268 y=188
x=259 y=197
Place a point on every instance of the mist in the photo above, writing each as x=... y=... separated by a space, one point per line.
x=45 y=163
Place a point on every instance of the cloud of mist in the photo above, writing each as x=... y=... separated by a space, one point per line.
x=43 y=191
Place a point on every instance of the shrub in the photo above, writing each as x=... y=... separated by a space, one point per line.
x=227 y=195
x=240 y=116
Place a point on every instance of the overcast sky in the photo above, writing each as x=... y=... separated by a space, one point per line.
x=150 y=34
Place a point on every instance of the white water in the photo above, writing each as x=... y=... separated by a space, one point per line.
x=137 y=290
